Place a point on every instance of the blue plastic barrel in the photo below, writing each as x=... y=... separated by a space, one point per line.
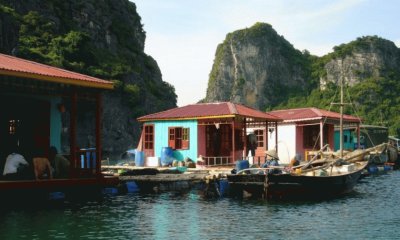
x=242 y=164
x=139 y=159
x=166 y=156
x=132 y=187
x=93 y=160
x=223 y=187
x=372 y=169
x=110 y=191
x=387 y=167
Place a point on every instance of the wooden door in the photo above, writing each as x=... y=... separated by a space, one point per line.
x=148 y=143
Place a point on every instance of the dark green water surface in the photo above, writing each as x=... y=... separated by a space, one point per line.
x=370 y=212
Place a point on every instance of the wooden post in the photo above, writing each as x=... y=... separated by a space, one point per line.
x=233 y=140
x=245 y=137
x=276 y=136
x=74 y=164
x=266 y=134
x=358 y=136
x=98 y=133
x=321 y=130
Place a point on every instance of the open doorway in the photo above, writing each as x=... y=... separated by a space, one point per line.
x=25 y=124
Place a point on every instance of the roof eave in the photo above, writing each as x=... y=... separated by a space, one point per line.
x=69 y=81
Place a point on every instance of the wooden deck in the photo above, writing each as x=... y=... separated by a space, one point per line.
x=54 y=184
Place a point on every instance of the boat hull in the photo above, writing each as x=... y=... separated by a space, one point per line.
x=292 y=187
x=286 y=186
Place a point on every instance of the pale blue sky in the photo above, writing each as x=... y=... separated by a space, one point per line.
x=182 y=35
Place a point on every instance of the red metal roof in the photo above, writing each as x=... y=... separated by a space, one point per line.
x=209 y=110
x=13 y=66
x=307 y=114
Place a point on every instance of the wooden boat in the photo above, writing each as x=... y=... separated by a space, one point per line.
x=324 y=182
x=317 y=179
x=317 y=184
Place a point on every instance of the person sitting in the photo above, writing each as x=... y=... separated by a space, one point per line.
x=42 y=168
x=295 y=161
x=272 y=161
x=14 y=162
x=61 y=164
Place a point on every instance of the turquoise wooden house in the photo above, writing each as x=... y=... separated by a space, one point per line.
x=370 y=135
x=214 y=131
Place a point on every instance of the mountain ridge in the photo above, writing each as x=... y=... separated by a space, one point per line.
x=279 y=76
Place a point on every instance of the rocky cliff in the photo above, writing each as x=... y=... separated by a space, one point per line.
x=366 y=57
x=257 y=67
x=102 y=38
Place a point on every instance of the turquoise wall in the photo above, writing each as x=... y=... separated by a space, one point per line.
x=348 y=140
x=161 y=138
x=55 y=123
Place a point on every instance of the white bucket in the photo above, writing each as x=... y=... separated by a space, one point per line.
x=152 y=161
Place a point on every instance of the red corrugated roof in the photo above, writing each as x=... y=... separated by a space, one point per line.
x=204 y=110
x=307 y=114
x=13 y=66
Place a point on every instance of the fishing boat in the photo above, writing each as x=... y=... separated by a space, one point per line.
x=317 y=179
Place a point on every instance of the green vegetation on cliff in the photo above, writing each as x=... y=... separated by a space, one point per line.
x=70 y=36
x=375 y=99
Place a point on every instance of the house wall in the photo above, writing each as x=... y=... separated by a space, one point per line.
x=55 y=123
x=161 y=138
x=331 y=136
x=201 y=140
x=286 y=142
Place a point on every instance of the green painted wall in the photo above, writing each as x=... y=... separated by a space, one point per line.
x=161 y=138
x=55 y=123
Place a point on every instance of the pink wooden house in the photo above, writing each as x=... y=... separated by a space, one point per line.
x=304 y=130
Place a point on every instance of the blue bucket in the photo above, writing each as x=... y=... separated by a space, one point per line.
x=166 y=156
x=242 y=164
x=139 y=159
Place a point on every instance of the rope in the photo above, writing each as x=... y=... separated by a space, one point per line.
x=357 y=115
x=319 y=135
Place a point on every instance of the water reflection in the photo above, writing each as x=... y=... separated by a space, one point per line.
x=368 y=212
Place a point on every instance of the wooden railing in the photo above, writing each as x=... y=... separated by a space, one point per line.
x=258 y=160
x=223 y=160
x=217 y=161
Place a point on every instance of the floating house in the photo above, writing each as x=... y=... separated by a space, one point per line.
x=34 y=99
x=370 y=135
x=214 y=131
x=305 y=130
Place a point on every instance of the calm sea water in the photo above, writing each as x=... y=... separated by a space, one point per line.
x=370 y=212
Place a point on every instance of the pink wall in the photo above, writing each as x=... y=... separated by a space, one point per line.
x=331 y=136
x=201 y=140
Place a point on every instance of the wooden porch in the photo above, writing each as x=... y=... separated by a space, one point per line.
x=224 y=141
x=29 y=82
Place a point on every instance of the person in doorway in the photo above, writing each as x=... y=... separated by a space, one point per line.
x=295 y=161
x=14 y=163
x=252 y=143
x=271 y=161
x=42 y=168
x=60 y=163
